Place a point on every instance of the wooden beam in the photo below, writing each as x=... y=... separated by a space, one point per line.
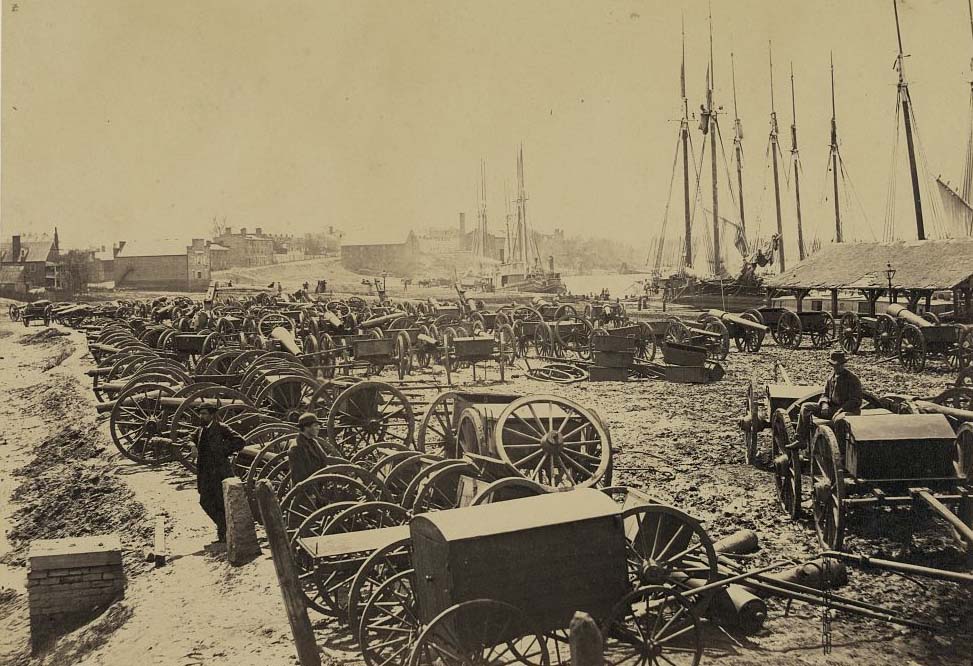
x=287 y=577
x=834 y=303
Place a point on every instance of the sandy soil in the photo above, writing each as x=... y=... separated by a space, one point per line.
x=677 y=442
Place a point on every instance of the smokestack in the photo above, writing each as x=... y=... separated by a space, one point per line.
x=260 y=231
x=462 y=224
x=228 y=231
x=243 y=231
x=15 y=249
x=501 y=255
x=550 y=262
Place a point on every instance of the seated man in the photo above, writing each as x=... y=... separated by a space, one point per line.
x=842 y=396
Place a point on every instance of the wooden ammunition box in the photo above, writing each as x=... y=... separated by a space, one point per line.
x=899 y=446
x=597 y=373
x=473 y=348
x=676 y=353
x=686 y=374
x=378 y=348
x=608 y=359
x=549 y=556
x=613 y=343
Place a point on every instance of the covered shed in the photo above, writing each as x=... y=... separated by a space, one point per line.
x=913 y=269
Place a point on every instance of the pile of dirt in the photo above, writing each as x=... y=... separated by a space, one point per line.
x=70 y=490
x=43 y=336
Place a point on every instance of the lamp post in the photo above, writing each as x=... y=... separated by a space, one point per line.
x=889 y=273
x=385 y=277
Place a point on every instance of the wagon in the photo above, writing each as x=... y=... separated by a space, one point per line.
x=36 y=312
x=478 y=349
x=789 y=327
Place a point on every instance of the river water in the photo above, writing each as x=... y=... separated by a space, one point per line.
x=618 y=284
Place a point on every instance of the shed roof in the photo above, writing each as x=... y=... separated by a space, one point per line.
x=929 y=264
x=161 y=247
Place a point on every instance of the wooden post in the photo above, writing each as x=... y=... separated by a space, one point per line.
x=159 y=554
x=586 y=641
x=834 y=303
x=290 y=586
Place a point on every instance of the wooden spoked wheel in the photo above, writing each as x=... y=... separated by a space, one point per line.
x=850 y=332
x=288 y=396
x=787 y=465
x=186 y=422
x=553 y=441
x=670 y=548
x=559 y=373
x=273 y=320
x=748 y=339
x=369 y=456
x=653 y=625
x=509 y=488
x=263 y=443
x=886 y=335
x=573 y=334
x=912 y=348
x=965 y=378
x=436 y=435
x=506 y=344
x=327 y=393
x=963 y=464
x=477 y=632
x=370 y=412
x=790 y=330
x=827 y=488
x=380 y=566
x=319 y=491
x=677 y=332
x=390 y=622
x=440 y=488
x=823 y=332
x=718 y=345
x=139 y=422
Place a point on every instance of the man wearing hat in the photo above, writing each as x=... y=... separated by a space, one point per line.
x=215 y=443
x=842 y=396
x=307 y=453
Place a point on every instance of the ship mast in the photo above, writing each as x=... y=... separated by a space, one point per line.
x=906 y=102
x=711 y=110
x=738 y=147
x=796 y=162
x=481 y=228
x=508 y=246
x=835 y=164
x=684 y=134
x=774 y=150
x=968 y=172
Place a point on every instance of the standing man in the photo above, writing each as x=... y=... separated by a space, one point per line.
x=842 y=396
x=306 y=453
x=215 y=443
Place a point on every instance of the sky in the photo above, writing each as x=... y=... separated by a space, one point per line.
x=126 y=119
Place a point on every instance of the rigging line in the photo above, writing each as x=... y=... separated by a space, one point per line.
x=850 y=187
x=665 y=215
x=938 y=215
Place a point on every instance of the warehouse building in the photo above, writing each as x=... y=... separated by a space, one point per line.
x=39 y=257
x=247 y=249
x=168 y=265
x=375 y=256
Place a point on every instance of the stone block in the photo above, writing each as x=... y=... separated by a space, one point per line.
x=74 y=553
x=241 y=533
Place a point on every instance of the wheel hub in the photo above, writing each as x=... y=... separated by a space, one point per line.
x=552 y=442
x=654 y=573
x=822 y=491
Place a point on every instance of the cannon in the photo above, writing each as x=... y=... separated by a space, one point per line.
x=35 y=312
x=788 y=327
x=746 y=329
x=919 y=339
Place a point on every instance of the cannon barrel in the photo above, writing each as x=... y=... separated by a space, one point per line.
x=332 y=318
x=737 y=319
x=286 y=338
x=384 y=319
x=963 y=415
x=905 y=314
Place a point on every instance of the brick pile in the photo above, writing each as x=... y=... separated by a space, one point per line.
x=70 y=580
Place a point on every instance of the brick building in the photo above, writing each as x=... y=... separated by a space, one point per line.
x=371 y=256
x=246 y=249
x=219 y=257
x=169 y=265
x=39 y=256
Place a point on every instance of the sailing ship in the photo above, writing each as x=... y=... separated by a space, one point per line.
x=522 y=269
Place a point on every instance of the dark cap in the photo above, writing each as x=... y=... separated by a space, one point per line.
x=307 y=419
x=838 y=357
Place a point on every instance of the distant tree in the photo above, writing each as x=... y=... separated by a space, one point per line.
x=219 y=226
x=75 y=271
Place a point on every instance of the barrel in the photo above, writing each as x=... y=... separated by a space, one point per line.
x=903 y=313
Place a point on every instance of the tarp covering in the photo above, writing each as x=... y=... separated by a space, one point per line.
x=928 y=265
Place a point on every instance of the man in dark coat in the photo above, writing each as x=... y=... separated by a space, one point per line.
x=307 y=453
x=215 y=443
x=842 y=396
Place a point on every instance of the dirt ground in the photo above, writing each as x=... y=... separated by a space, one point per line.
x=60 y=475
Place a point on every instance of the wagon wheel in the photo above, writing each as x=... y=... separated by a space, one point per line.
x=403 y=352
x=320 y=490
x=653 y=625
x=560 y=373
x=327 y=393
x=369 y=456
x=440 y=489
x=389 y=560
x=390 y=622
x=370 y=412
x=668 y=547
x=288 y=396
x=575 y=336
x=478 y=632
x=186 y=422
x=752 y=429
x=827 y=488
x=823 y=337
x=553 y=441
x=506 y=344
x=676 y=331
x=787 y=465
x=912 y=348
x=512 y=487
x=850 y=332
x=270 y=440
x=471 y=432
x=748 y=339
x=397 y=470
x=13 y=311
x=425 y=472
x=436 y=434
x=957 y=398
x=270 y=321
x=886 y=335
x=566 y=310
x=789 y=330
x=545 y=343
x=960 y=356
x=137 y=419
x=931 y=317
x=368 y=478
